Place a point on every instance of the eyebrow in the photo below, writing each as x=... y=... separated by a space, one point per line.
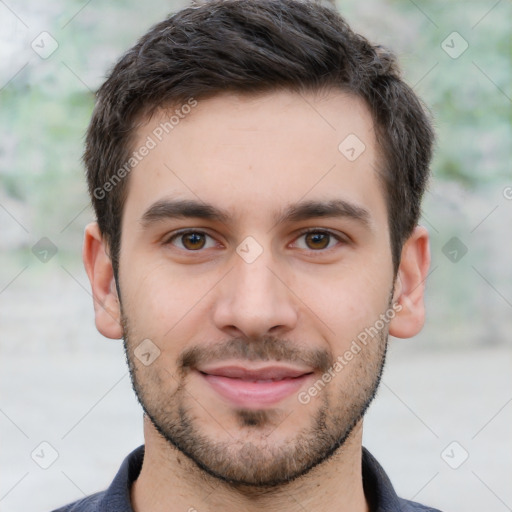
x=165 y=209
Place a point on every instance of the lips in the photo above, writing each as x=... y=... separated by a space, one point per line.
x=269 y=373
x=254 y=387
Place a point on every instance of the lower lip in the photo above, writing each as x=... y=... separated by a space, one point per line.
x=254 y=394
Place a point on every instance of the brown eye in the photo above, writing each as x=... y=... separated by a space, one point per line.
x=317 y=240
x=191 y=240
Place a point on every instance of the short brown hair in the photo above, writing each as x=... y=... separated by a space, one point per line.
x=254 y=46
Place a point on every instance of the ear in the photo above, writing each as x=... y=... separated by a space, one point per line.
x=98 y=266
x=410 y=285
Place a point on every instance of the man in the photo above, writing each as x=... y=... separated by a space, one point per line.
x=256 y=169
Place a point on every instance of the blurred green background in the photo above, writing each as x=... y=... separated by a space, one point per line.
x=45 y=105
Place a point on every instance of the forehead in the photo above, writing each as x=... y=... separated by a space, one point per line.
x=257 y=154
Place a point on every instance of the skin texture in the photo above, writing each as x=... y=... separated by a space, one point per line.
x=303 y=301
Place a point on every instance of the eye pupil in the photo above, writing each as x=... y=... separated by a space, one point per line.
x=318 y=238
x=193 y=241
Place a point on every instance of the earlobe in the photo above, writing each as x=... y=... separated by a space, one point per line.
x=410 y=285
x=98 y=266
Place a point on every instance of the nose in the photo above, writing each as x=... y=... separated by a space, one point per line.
x=255 y=300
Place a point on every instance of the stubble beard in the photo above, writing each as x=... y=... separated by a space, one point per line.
x=253 y=459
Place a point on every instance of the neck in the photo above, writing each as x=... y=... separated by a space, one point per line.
x=169 y=477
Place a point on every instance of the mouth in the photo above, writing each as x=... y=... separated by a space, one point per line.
x=256 y=387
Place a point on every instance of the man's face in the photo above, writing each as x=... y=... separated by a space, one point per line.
x=248 y=311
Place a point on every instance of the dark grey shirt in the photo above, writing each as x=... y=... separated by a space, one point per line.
x=377 y=488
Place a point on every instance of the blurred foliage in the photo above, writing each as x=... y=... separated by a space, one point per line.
x=469 y=97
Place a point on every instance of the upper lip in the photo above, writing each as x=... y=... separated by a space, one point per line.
x=275 y=372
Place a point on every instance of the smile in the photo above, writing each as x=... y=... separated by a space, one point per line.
x=253 y=388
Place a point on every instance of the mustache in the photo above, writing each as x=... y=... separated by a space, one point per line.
x=267 y=348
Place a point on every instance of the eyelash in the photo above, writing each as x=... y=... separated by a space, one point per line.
x=306 y=231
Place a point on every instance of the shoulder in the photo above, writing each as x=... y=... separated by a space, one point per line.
x=117 y=497
x=87 y=504
x=379 y=490
x=412 y=506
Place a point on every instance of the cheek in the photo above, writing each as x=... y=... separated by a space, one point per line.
x=354 y=298
x=153 y=302
x=350 y=303
x=164 y=304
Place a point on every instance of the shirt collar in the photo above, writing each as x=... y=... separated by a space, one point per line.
x=378 y=489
